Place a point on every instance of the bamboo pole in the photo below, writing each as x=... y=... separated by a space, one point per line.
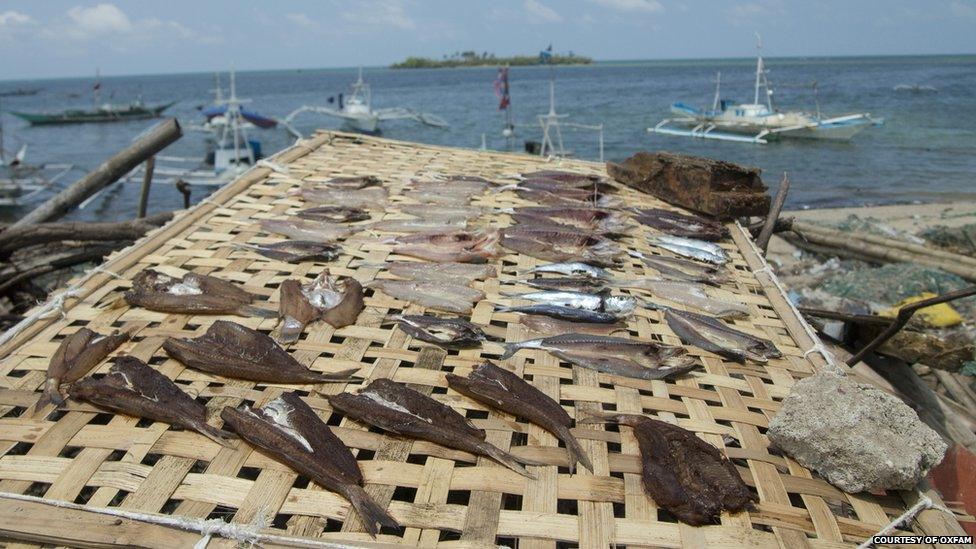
x=767 y=230
x=15 y=238
x=146 y=182
x=808 y=228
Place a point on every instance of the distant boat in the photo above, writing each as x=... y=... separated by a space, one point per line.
x=915 y=88
x=758 y=122
x=19 y=92
x=106 y=113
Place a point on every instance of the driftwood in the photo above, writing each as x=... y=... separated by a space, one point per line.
x=150 y=143
x=767 y=231
x=53 y=259
x=146 y=183
x=721 y=189
x=783 y=224
x=15 y=238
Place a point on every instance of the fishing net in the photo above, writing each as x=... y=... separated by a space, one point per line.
x=960 y=240
x=889 y=284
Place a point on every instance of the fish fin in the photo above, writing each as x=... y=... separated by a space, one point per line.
x=249 y=310
x=343 y=375
x=592 y=418
x=391 y=319
x=504 y=458
x=655 y=306
x=575 y=449
x=369 y=511
x=217 y=435
x=510 y=350
x=51 y=395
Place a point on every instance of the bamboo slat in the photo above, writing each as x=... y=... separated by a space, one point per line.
x=443 y=497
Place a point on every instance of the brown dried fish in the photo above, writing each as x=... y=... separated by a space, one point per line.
x=403 y=411
x=369 y=197
x=587 y=219
x=295 y=251
x=690 y=294
x=561 y=245
x=289 y=431
x=506 y=391
x=230 y=350
x=75 y=357
x=334 y=214
x=461 y=187
x=684 y=270
x=450 y=333
x=578 y=190
x=435 y=211
x=452 y=273
x=419 y=225
x=133 y=388
x=559 y=175
x=676 y=224
x=452 y=246
x=336 y=302
x=550 y=326
x=305 y=229
x=453 y=298
x=717 y=337
x=352 y=182
x=613 y=355
x=567 y=283
x=192 y=294
x=683 y=474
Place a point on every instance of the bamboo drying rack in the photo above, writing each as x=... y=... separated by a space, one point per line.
x=444 y=498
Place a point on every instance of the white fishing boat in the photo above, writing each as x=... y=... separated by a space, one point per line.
x=355 y=109
x=759 y=121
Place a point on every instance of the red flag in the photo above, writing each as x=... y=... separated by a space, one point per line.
x=97 y=86
x=501 y=89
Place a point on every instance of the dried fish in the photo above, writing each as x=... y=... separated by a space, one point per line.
x=676 y=224
x=230 y=350
x=464 y=187
x=571 y=284
x=133 y=388
x=192 y=294
x=613 y=355
x=419 y=225
x=690 y=294
x=508 y=392
x=572 y=199
x=717 y=337
x=304 y=229
x=561 y=245
x=290 y=432
x=334 y=214
x=431 y=211
x=684 y=270
x=571 y=314
x=549 y=326
x=571 y=269
x=403 y=411
x=450 y=333
x=75 y=357
x=584 y=190
x=336 y=302
x=453 y=246
x=683 y=474
x=695 y=249
x=601 y=302
x=558 y=175
x=588 y=219
x=453 y=298
x=295 y=251
x=352 y=183
x=453 y=273
x=369 y=197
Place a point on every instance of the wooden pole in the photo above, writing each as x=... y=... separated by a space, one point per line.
x=153 y=141
x=15 y=238
x=767 y=230
x=146 y=182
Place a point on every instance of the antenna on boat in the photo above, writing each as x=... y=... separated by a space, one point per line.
x=718 y=91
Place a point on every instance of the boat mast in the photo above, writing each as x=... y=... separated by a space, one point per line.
x=718 y=91
x=97 y=88
x=759 y=67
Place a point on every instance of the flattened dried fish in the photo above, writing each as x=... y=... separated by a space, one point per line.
x=431 y=211
x=676 y=224
x=621 y=305
x=231 y=350
x=334 y=214
x=419 y=225
x=695 y=249
x=295 y=251
x=326 y=298
x=450 y=333
x=549 y=326
x=133 y=388
x=192 y=294
x=403 y=411
x=570 y=283
x=453 y=273
x=304 y=229
x=690 y=294
x=613 y=355
x=289 y=431
x=559 y=175
x=718 y=337
x=561 y=245
x=453 y=246
x=75 y=357
x=571 y=314
x=588 y=219
x=684 y=270
x=572 y=198
x=353 y=182
x=683 y=474
x=571 y=269
x=465 y=187
x=453 y=298
x=370 y=197
x=506 y=391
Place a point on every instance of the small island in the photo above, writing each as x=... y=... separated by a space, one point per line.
x=486 y=59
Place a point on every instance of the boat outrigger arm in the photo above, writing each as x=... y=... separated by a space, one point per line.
x=705 y=129
x=395 y=113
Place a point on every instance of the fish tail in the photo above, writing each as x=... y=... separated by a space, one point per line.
x=588 y=418
x=503 y=457
x=250 y=310
x=341 y=376
x=219 y=436
x=510 y=350
x=392 y=319
x=51 y=395
x=575 y=449
x=369 y=511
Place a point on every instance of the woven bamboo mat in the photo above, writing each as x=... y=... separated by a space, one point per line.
x=444 y=498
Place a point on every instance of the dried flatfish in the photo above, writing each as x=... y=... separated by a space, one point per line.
x=453 y=273
x=571 y=269
x=452 y=246
x=353 y=182
x=77 y=355
x=442 y=199
x=463 y=187
x=419 y=225
x=561 y=245
x=559 y=175
x=334 y=214
x=682 y=473
x=295 y=251
x=133 y=388
x=192 y=294
x=684 y=270
x=396 y=408
x=567 y=283
x=230 y=350
x=579 y=190
x=571 y=314
x=717 y=337
x=432 y=211
x=499 y=388
x=369 y=197
x=572 y=199
x=676 y=224
x=587 y=219
x=305 y=229
x=695 y=249
x=549 y=326
x=336 y=302
x=290 y=432
x=690 y=294
x=450 y=333
x=613 y=355
x=453 y=298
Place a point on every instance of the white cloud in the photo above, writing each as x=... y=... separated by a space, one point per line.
x=15 y=19
x=98 y=20
x=379 y=13
x=752 y=13
x=965 y=10
x=542 y=12
x=301 y=20
x=645 y=6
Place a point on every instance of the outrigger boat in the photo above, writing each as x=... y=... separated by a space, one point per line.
x=758 y=122
x=357 y=113
x=20 y=181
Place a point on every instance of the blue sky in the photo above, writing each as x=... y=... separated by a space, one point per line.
x=70 y=38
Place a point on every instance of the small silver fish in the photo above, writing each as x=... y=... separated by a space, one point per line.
x=577 y=300
x=571 y=269
x=696 y=249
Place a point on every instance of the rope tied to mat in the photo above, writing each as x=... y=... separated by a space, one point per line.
x=924 y=503
x=54 y=303
x=244 y=533
x=100 y=269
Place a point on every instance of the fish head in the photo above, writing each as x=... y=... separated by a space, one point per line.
x=620 y=305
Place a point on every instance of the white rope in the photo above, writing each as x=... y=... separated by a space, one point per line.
x=54 y=303
x=100 y=269
x=273 y=166
x=924 y=503
x=245 y=533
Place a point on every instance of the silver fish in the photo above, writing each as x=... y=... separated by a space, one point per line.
x=696 y=249
x=687 y=293
x=576 y=300
x=571 y=269
x=571 y=314
x=715 y=336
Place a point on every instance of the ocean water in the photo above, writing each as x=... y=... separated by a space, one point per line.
x=926 y=151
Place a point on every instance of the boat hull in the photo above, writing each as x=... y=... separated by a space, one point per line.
x=365 y=124
x=89 y=117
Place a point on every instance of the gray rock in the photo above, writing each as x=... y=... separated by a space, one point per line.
x=856 y=436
